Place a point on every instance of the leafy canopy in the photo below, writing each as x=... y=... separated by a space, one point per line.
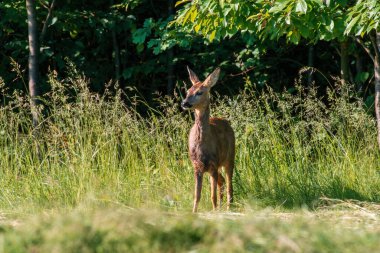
x=312 y=20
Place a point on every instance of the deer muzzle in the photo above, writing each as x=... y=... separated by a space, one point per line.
x=185 y=105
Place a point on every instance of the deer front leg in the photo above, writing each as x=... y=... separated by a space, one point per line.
x=214 y=183
x=198 y=190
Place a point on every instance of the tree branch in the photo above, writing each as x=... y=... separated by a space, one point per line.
x=368 y=51
x=243 y=72
x=47 y=21
x=372 y=36
x=43 y=4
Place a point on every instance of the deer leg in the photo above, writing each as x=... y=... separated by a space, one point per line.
x=221 y=183
x=214 y=182
x=198 y=190
x=229 y=171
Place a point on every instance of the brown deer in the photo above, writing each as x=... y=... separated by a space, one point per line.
x=211 y=141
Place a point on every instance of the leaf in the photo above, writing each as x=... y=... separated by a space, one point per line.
x=361 y=77
x=294 y=37
x=301 y=6
x=197 y=27
x=331 y=26
x=287 y=19
x=318 y=2
x=360 y=31
x=236 y=6
x=304 y=31
x=370 y=27
x=193 y=15
x=212 y=35
x=278 y=6
x=153 y=43
x=140 y=35
x=53 y=21
x=148 y=23
x=369 y=102
x=187 y=16
x=73 y=34
x=46 y=51
x=351 y=24
x=181 y=2
x=227 y=10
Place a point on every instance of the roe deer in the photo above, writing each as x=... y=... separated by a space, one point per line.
x=211 y=141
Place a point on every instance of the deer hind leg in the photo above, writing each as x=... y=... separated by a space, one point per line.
x=198 y=189
x=214 y=182
x=221 y=183
x=229 y=172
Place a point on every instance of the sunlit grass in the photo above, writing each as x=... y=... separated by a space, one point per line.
x=344 y=228
x=291 y=150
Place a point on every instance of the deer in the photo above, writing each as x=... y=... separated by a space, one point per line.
x=211 y=141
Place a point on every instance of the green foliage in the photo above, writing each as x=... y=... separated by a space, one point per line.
x=139 y=42
x=163 y=39
x=141 y=34
x=83 y=33
x=216 y=19
x=305 y=22
x=363 y=18
x=294 y=19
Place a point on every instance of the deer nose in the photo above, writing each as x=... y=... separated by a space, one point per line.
x=185 y=105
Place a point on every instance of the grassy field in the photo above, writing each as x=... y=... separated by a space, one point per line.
x=341 y=227
x=94 y=165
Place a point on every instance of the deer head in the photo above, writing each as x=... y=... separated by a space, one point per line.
x=198 y=96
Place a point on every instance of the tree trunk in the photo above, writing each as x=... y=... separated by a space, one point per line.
x=34 y=90
x=377 y=83
x=344 y=62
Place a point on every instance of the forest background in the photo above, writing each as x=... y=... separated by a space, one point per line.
x=147 y=44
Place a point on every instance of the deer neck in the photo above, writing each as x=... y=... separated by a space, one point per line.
x=202 y=121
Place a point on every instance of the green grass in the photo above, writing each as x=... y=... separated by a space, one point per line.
x=67 y=186
x=291 y=150
x=116 y=229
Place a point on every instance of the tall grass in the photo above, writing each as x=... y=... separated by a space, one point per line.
x=291 y=149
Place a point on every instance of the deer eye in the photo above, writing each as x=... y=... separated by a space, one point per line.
x=199 y=93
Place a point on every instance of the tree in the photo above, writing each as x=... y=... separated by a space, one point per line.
x=34 y=49
x=364 y=22
x=311 y=20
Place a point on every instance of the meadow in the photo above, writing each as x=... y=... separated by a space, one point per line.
x=107 y=173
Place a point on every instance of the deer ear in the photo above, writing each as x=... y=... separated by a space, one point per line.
x=193 y=77
x=212 y=78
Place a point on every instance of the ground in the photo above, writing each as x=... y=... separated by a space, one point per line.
x=332 y=226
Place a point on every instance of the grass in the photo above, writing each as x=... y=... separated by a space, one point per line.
x=291 y=150
x=93 y=157
x=117 y=229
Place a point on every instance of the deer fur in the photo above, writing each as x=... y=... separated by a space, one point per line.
x=211 y=141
